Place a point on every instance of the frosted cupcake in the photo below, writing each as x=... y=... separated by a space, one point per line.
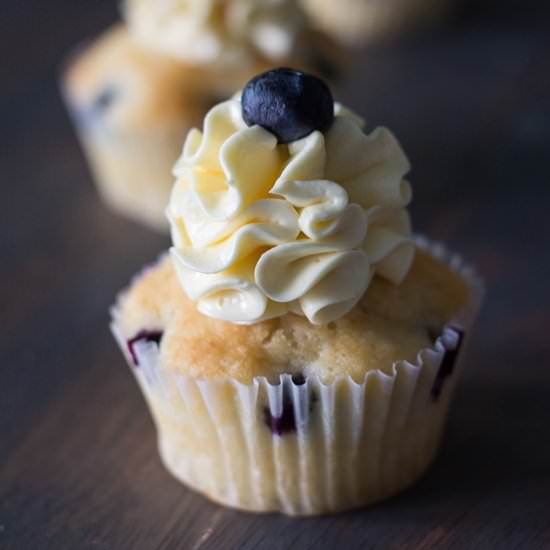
x=228 y=32
x=354 y=22
x=298 y=348
x=138 y=89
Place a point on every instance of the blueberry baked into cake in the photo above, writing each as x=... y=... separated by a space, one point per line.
x=297 y=346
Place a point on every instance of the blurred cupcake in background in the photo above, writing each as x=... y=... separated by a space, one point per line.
x=131 y=107
x=212 y=31
x=354 y=22
x=136 y=91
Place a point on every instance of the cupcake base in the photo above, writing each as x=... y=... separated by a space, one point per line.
x=300 y=446
x=286 y=474
x=133 y=175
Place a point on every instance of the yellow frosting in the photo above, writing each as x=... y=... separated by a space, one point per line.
x=260 y=229
x=202 y=31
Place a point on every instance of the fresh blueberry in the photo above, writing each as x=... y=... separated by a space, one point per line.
x=143 y=336
x=288 y=103
x=447 y=366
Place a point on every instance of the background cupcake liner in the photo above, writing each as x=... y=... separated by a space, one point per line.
x=303 y=447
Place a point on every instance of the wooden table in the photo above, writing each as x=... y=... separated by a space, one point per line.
x=78 y=464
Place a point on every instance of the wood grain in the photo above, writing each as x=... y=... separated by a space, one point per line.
x=78 y=464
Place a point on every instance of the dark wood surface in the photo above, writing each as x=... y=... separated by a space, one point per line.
x=78 y=464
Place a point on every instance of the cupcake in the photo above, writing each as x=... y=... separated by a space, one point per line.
x=298 y=347
x=136 y=91
x=354 y=22
x=132 y=108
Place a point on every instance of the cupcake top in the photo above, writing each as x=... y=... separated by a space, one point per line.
x=283 y=204
x=390 y=323
x=207 y=31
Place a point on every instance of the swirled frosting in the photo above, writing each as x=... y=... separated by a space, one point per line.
x=260 y=229
x=203 y=31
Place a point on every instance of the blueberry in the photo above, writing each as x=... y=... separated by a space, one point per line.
x=286 y=423
x=288 y=103
x=143 y=336
x=280 y=425
x=104 y=99
x=447 y=366
x=298 y=379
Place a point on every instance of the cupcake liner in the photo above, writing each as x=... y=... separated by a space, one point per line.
x=303 y=447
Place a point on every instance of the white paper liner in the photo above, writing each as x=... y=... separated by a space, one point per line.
x=353 y=443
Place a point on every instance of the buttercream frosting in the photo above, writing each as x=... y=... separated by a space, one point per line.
x=260 y=229
x=204 y=31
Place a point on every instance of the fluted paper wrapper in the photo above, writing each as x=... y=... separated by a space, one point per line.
x=305 y=447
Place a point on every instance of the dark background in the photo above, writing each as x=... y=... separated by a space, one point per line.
x=470 y=103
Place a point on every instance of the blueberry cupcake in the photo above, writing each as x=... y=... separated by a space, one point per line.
x=298 y=347
x=354 y=22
